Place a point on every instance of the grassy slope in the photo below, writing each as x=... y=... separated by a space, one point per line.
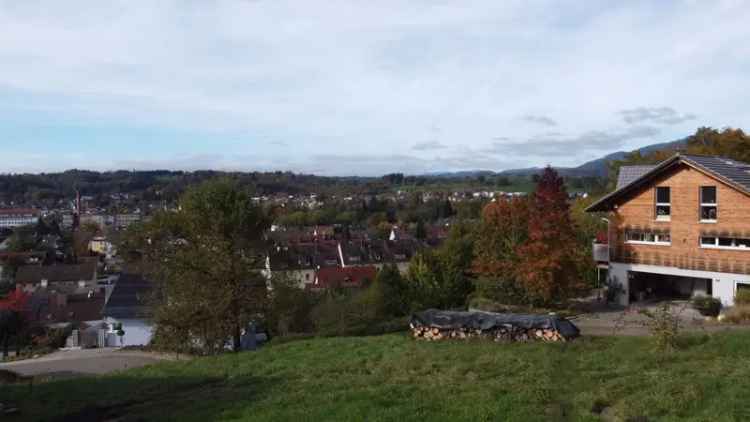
x=394 y=378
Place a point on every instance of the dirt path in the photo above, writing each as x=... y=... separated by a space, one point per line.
x=83 y=362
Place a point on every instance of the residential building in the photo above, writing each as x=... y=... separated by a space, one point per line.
x=100 y=245
x=123 y=221
x=127 y=308
x=69 y=278
x=678 y=229
x=99 y=220
x=302 y=260
x=18 y=217
x=68 y=219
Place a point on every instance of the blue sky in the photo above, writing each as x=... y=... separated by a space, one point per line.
x=361 y=87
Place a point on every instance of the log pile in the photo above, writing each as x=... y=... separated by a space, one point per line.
x=506 y=333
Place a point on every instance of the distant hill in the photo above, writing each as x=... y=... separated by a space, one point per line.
x=593 y=168
x=599 y=167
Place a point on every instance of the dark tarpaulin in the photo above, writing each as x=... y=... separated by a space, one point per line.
x=489 y=320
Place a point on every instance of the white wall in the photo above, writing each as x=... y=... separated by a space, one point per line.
x=618 y=275
x=137 y=332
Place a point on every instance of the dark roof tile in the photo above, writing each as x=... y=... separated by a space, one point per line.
x=34 y=274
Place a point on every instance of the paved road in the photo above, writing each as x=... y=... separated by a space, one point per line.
x=629 y=322
x=80 y=362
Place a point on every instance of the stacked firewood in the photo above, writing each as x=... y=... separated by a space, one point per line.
x=507 y=333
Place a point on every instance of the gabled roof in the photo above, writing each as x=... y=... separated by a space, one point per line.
x=129 y=298
x=629 y=174
x=733 y=173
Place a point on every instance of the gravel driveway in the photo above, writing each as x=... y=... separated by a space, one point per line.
x=82 y=362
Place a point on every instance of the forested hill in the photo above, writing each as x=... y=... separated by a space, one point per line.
x=166 y=185
x=163 y=184
x=600 y=166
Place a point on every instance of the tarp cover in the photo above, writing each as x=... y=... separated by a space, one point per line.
x=489 y=320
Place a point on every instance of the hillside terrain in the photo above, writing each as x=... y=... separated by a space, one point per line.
x=394 y=378
x=600 y=166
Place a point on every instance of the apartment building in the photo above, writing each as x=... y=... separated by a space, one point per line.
x=17 y=217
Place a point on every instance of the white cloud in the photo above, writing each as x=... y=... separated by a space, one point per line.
x=337 y=78
x=539 y=120
x=429 y=146
x=659 y=115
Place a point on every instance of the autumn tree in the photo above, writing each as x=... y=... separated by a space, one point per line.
x=503 y=230
x=206 y=260
x=549 y=261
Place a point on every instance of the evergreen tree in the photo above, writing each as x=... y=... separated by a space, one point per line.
x=420 y=232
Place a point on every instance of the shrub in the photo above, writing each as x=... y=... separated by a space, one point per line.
x=738 y=314
x=49 y=338
x=290 y=307
x=742 y=297
x=707 y=306
x=664 y=326
x=500 y=291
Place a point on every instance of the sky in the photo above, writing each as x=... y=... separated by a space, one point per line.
x=361 y=87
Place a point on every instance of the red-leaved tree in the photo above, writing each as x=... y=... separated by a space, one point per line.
x=549 y=260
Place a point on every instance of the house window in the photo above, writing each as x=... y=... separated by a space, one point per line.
x=708 y=241
x=709 y=210
x=725 y=242
x=648 y=238
x=663 y=203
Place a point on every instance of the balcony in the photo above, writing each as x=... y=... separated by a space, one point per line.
x=683 y=261
x=601 y=252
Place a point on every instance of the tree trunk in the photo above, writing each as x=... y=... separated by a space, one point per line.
x=6 y=338
x=237 y=338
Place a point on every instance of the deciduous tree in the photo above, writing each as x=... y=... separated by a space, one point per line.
x=206 y=259
x=550 y=259
x=504 y=229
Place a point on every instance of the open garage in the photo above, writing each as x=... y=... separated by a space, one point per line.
x=651 y=286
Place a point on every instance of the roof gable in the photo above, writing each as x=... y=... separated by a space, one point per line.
x=731 y=172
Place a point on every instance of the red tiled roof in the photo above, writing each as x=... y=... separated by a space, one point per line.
x=343 y=277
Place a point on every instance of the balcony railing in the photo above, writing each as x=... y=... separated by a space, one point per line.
x=684 y=261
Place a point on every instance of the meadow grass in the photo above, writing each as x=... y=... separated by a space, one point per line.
x=394 y=378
